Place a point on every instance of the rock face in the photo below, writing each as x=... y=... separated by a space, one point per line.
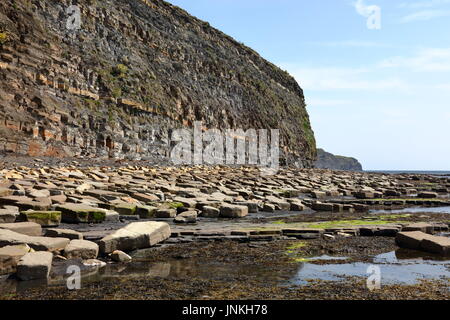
x=135 y=70
x=136 y=235
x=326 y=160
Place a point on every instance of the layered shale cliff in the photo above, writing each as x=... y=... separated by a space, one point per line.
x=135 y=70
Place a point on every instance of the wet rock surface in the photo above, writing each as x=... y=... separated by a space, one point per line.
x=235 y=213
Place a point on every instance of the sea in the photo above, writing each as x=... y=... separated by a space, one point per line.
x=444 y=174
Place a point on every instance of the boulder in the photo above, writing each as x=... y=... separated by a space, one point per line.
x=210 y=212
x=297 y=206
x=252 y=206
x=10 y=256
x=44 y=218
x=146 y=212
x=80 y=213
x=64 y=233
x=186 y=217
x=427 y=195
x=233 y=211
x=318 y=194
x=166 y=213
x=438 y=245
x=136 y=235
x=145 y=198
x=33 y=193
x=34 y=265
x=8 y=237
x=83 y=249
x=411 y=239
x=94 y=263
x=7 y=216
x=187 y=202
x=120 y=256
x=268 y=207
x=420 y=226
x=28 y=228
x=319 y=206
x=127 y=209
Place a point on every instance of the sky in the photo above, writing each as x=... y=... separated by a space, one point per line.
x=375 y=73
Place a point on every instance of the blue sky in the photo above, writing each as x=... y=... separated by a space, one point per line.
x=380 y=95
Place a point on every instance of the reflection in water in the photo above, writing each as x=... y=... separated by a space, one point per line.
x=413 y=210
x=402 y=266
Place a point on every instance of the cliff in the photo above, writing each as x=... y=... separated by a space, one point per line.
x=326 y=160
x=135 y=70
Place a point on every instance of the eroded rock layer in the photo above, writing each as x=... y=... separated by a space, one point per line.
x=135 y=70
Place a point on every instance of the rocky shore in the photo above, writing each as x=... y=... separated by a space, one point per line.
x=105 y=216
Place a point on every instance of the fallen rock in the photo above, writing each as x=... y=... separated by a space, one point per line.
x=411 y=239
x=83 y=249
x=44 y=218
x=428 y=195
x=127 y=209
x=210 y=212
x=438 y=245
x=136 y=235
x=120 y=256
x=268 y=207
x=28 y=228
x=319 y=206
x=7 y=216
x=10 y=256
x=81 y=213
x=420 y=226
x=166 y=213
x=8 y=237
x=186 y=217
x=233 y=211
x=252 y=206
x=34 y=265
x=64 y=233
x=94 y=263
x=146 y=212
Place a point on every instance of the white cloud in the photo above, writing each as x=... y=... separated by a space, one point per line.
x=425 y=15
x=426 y=60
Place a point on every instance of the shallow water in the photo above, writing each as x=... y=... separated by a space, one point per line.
x=413 y=210
x=402 y=267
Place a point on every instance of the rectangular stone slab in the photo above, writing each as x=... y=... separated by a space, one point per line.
x=34 y=265
x=9 y=238
x=136 y=235
x=439 y=245
x=10 y=256
x=411 y=239
x=80 y=213
x=28 y=228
